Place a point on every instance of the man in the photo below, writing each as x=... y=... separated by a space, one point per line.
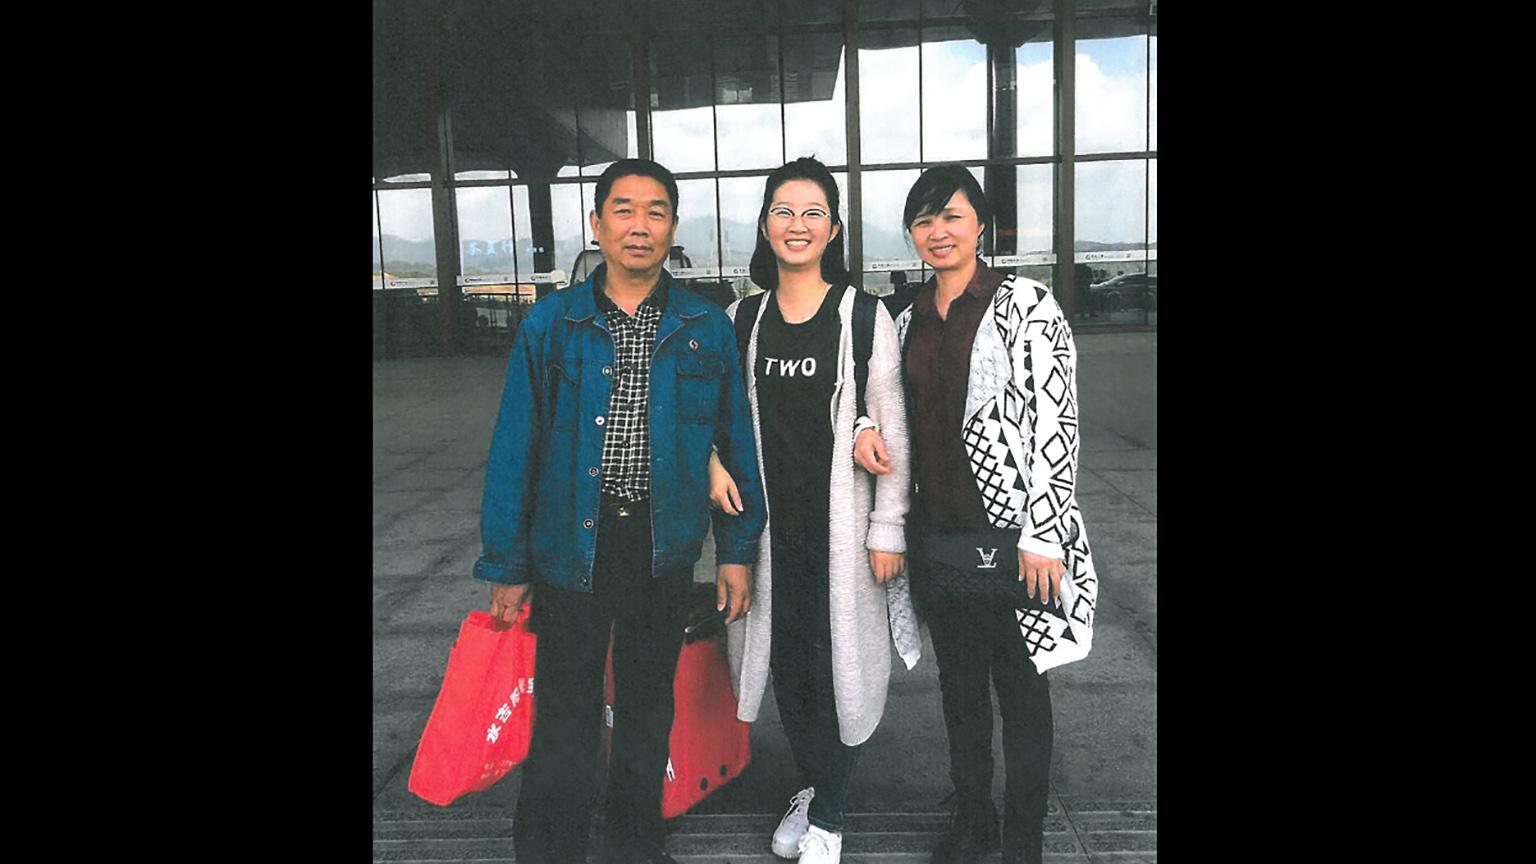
x=616 y=391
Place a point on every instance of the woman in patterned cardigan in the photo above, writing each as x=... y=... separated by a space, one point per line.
x=990 y=372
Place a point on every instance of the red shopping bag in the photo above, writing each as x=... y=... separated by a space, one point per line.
x=482 y=722
x=708 y=746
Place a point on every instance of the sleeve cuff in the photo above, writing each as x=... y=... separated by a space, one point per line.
x=500 y=574
x=739 y=555
x=885 y=537
x=1037 y=547
x=864 y=423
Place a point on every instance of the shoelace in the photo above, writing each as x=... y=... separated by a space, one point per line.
x=802 y=798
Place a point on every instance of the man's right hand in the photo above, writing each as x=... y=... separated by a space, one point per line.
x=507 y=599
x=733 y=590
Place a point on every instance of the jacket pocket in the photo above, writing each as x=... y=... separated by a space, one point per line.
x=565 y=397
x=698 y=388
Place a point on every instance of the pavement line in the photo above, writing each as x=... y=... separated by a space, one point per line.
x=1095 y=472
x=408 y=756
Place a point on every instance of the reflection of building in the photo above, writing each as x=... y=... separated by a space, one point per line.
x=494 y=119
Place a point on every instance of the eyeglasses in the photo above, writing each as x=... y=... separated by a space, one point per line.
x=815 y=217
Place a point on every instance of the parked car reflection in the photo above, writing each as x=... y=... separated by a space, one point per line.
x=1126 y=291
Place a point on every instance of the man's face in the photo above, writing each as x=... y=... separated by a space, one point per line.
x=636 y=225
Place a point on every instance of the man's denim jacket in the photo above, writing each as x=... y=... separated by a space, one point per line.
x=540 y=513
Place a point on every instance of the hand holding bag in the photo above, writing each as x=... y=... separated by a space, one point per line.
x=977 y=566
x=482 y=723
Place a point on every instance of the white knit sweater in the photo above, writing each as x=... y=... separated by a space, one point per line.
x=865 y=512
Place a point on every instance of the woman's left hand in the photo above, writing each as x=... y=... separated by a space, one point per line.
x=886 y=565
x=869 y=452
x=1041 y=575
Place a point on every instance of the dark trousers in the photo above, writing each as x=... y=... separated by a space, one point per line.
x=973 y=643
x=801 y=662
x=646 y=617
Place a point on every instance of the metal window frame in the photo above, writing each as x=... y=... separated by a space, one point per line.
x=1063 y=18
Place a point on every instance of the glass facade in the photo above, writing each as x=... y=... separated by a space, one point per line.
x=492 y=151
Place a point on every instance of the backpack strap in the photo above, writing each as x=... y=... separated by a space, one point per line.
x=746 y=316
x=864 y=306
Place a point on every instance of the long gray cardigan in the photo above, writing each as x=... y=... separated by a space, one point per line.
x=866 y=512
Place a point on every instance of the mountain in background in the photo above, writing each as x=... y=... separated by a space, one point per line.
x=495 y=256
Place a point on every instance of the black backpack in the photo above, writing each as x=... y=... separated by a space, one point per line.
x=864 y=305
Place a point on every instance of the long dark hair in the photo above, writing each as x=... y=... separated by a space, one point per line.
x=765 y=267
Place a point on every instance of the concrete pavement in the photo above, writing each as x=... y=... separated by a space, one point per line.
x=432 y=424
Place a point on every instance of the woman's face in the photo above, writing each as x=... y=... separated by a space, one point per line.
x=799 y=224
x=947 y=240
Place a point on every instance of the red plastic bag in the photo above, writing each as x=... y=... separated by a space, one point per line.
x=482 y=723
x=708 y=746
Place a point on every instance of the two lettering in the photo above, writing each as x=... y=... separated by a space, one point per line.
x=790 y=368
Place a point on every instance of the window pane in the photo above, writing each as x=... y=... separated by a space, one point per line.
x=1120 y=292
x=568 y=217
x=748 y=118
x=740 y=200
x=954 y=96
x=886 y=246
x=1111 y=228
x=1021 y=198
x=512 y=107
x=682 y=116
x=815 y=119
x=1152 y=204
x=1035 y=89
x=695 y=254
x=888 y=83
x=1152 y=93
x=605 y=104
x=632 y=145
x=1111 y=205
x=1111 y=94
x=522 y=224
x=485 y=235
x=405 y=226
x=378 y=278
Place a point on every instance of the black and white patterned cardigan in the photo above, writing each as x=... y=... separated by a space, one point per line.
x=1021 y=410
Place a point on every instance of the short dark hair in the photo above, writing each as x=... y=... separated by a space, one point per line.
x=765 y=266
x=936 y=186
x=634 y=168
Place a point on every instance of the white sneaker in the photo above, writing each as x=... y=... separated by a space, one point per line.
x=820 y=847
x=786 y=839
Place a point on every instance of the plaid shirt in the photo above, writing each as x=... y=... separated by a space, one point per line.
x=627 y=443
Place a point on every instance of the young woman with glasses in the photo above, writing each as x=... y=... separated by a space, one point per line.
x=829 y=594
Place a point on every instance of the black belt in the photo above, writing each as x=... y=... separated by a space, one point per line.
x=615 y=506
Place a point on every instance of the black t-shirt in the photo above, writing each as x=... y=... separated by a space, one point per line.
x=796 y=373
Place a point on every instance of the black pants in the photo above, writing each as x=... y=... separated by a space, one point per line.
x=646 y=617
x=801 y=662
x=973 y=643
